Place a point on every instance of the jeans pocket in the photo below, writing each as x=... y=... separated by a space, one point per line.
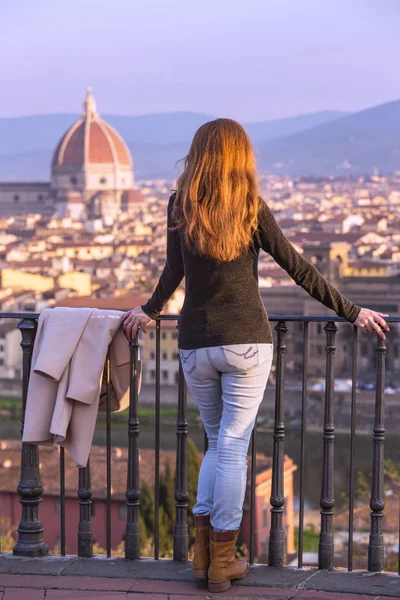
x=188 y=360
x=241 y=356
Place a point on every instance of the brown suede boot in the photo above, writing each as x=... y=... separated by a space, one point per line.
x=224 y=565
x=201 y=558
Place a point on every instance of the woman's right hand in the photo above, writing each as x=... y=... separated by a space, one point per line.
x=369 y=320
x=134 y=319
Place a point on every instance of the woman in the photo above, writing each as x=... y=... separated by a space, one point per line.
x=217 y=224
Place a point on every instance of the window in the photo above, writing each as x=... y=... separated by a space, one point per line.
x=40 y=198
x=152 y=355
x=320 y=349
x=319 y=327
x=74 y=180
x=16 y=198
x=165 y=355
x=175 y=356
x=103 y=180
x=164 y=335
x=176 y=377
x=152 y=374
x=165 y=375
x=152 y=335
x=1 y=362
x=174 y=335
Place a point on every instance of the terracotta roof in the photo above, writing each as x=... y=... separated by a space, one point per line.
x=362 y=516
x=30 y=263
x=113 y=303
x=91 y=140
x=304 y=238
x=49 y=472
x=49 y=460
x=73 y=151
x=123 y=154
x=133 y=197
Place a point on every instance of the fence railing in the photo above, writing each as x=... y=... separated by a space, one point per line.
x=31 y=539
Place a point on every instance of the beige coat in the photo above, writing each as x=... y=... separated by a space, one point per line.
x=66 y=386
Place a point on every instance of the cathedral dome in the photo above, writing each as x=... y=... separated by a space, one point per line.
x=91 y=162
x=91 y=141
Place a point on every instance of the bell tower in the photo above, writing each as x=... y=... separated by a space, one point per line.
x=331 y=259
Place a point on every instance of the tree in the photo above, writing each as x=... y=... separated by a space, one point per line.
x=8 y=533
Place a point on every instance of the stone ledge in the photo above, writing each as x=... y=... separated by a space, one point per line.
x=356 y=582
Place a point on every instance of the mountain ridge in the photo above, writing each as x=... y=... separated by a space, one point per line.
x=354 y=143
x=39 y=132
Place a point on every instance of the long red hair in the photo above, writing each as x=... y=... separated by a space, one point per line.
x=217 y=194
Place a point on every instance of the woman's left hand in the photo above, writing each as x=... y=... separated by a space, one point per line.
x=133 y=319
x=370 y=321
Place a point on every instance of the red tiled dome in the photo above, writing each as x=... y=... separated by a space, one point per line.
x=92 y=141
x=132 y=197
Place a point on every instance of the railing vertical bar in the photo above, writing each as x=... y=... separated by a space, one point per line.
x=132 y=535
x=85 y=533
x=327 y=500
x=181 y=537
x=157 y=443
x=302 y=443
x=108 y=465
x=253 y=493
x=377 y=502
x=62 y=500
x=352 y=448
x=276 y=538
x=30 y=540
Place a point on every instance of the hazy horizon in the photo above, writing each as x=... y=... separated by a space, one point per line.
x=275 y=59
x=171 y=112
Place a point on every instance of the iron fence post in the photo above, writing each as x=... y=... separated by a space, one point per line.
x=132 y=535
x=377 y=502
x=30 y=540
x=276 y=539
x=181 y=537
x=327 y=501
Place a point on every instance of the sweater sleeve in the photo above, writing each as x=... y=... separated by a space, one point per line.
x=273 y=240
x=173 y=271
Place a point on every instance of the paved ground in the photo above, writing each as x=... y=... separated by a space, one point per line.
x=70 y=577
x=42 y=587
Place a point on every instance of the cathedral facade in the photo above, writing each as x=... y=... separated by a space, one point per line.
x=91 y=175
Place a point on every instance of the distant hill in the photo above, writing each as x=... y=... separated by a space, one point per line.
x=40 y=132
x=269 y=130
x=328 y=142
x=355 y=144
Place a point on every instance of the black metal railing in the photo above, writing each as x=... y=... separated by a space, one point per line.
x=31 y=541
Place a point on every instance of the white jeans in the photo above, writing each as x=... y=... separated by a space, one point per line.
x=227 y=383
